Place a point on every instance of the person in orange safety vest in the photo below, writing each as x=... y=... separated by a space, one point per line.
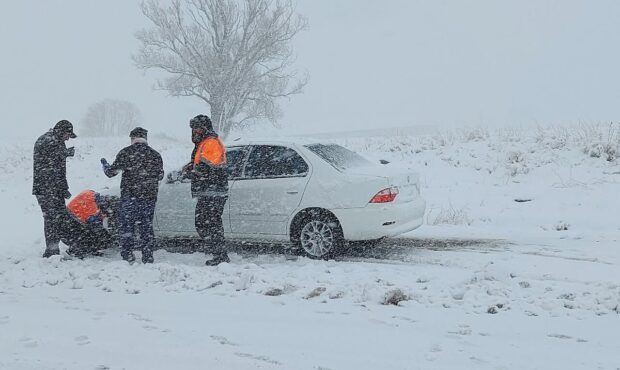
x=86 y=233
x=84 y=206
x=207 y=171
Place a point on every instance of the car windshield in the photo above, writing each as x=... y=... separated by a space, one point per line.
x=339 y=157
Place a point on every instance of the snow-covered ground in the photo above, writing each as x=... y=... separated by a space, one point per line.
x=517 y=267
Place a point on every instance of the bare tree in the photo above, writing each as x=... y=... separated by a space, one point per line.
x=235 y=55
x=111 y=117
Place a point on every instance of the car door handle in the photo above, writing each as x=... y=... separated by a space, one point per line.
x=292 y=192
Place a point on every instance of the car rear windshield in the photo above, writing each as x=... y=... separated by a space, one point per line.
x=339 y=157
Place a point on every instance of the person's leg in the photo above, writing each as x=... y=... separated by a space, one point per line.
x=53 y=219
x=145 y=229
x=127 y=225
x=201 y=221
x=213 y=208
x=76 y=236
x=100 y=236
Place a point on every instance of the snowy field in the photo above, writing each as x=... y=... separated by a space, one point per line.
x=516 y=267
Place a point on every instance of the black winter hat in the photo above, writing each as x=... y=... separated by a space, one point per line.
x=65 y=127
x=201 y=121
x=138 y=132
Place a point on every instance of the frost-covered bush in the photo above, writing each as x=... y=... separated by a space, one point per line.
x=444 y=137
x=554 y=137
x=516 y=163
x=600 y=141
x=608 y=151
x=475 y=134
x=448 y=216
x=394 y=297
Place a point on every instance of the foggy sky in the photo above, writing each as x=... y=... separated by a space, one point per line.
x=371 y=63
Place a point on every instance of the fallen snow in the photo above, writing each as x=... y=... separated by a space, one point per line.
x=536 y=286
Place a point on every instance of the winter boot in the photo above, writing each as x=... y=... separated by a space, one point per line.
x=76 y=252
x=51 y=250
x=147 y=256
x=128 y=256
x=216 y=260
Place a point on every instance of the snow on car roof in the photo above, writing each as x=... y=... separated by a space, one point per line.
x=273 y=140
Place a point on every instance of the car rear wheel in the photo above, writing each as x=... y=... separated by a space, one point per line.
x=319 y=236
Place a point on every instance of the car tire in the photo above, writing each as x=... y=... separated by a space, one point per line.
x=319 y=236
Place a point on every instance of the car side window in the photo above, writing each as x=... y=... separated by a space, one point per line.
x=274 y=161
x=234 y=159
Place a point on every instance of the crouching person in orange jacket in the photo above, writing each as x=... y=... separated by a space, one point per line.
x=86 y=233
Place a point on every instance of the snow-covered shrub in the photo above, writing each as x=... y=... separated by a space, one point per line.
x=554 y=137
x=444 y=138
x=609 y=151
x=600 y=140
x=516 y=163
x=475 y=134
x=448 y=216
x=394 y=297
x=511 y=134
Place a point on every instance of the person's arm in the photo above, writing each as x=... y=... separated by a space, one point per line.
x=113 y=169
x=160 y=168
x=186 y=171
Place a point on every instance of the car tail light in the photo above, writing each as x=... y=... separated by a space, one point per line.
x=385 y=195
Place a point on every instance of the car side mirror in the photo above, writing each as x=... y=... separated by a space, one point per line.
x=383 y=161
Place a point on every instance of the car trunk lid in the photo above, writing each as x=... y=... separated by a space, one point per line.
x=406 y=179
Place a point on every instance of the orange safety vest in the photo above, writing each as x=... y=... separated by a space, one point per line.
x=84 y=206
x=211 y=149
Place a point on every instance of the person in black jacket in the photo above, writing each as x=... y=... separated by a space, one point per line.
x=207 y=171
x=49 y=181
x=142 y=168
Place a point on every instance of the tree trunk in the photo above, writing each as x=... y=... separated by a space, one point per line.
x=221 y=124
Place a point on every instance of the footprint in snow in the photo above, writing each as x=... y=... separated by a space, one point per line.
x=436 y=348
x=223 y=340
x=138 y=317
x=559 y=336
x=258 y=357
x=4 y=320
x=29 y=342
x=98 y=316
x=82 y=340
x=461 y=331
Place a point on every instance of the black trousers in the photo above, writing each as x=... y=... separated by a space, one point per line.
x=86 y=237
x=209 y=224
x=55 y=218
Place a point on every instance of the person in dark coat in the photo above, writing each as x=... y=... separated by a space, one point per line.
x=142 y=169
x=49 y=182
x=207 y=171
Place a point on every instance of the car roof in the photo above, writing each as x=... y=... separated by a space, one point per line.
x=273 y=141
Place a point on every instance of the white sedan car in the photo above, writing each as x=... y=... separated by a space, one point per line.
x=314 y=195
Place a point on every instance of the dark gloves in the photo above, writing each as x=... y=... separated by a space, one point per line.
x=67 y=194
x=70 y=152
x=104 y=164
